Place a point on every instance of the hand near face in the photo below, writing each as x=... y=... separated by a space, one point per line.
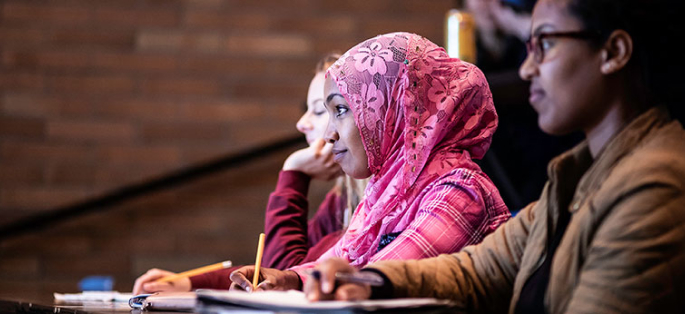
x=146 y=283
x=316 y=161
x=269 y=279
x=325 y=287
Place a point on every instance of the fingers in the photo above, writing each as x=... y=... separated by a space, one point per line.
x=265 y=285
x=312 y=290
x=352 y=292
x=240 y=279
x=327 y=278
x=328 y=268
x=234 y=286
x=327 y=154
x=317 y=161
x=333 y=168
x=151 y=275
x=179 y=284
x=326 y=151
x=158 y=286
x=321 y=284
x=318 y=146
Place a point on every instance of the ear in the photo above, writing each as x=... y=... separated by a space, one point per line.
x=617 y=51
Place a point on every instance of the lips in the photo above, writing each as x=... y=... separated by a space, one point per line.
x=310 y=140
x=536 y=94
x=338 y=154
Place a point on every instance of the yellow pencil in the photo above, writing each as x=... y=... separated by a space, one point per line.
x=196 y=271
x=258 y=261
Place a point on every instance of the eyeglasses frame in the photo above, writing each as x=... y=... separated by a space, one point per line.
x=535 y=42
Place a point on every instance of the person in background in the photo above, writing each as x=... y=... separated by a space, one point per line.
x=406 y=114
x=502 y=28
x=608 y=233
x=290 y=238
x=520 y=150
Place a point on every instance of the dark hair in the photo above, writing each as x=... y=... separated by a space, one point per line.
x=326 y=61
x=656 y=27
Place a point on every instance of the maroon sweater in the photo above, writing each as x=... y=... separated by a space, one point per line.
x=290 y=239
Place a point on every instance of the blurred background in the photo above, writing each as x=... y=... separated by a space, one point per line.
x=96 y=95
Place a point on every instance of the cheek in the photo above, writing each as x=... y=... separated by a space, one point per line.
x=354 y=143
x=569 y=88
x=319 y=124
x=361 y=159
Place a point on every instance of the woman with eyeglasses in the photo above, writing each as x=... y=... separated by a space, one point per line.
x=608 y=232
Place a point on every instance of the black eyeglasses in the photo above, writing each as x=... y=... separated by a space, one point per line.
x=534 y=45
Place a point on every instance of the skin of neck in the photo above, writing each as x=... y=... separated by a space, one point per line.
x=623 y=106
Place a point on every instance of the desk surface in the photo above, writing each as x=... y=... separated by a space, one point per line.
x=23 y=306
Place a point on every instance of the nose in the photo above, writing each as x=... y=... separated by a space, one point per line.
x=528 y=69
x=304 y=125
x=331 y=134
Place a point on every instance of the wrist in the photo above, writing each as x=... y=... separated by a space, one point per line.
x=293 y=280
x=380 y=292
x=290 y=164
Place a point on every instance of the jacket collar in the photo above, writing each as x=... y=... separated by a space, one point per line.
x=581 y=174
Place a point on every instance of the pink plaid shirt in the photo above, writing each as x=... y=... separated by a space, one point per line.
x=458 y=210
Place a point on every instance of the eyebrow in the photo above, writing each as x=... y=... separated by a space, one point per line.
x=331 y=96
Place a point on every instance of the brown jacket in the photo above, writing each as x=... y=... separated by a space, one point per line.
x=623 y=250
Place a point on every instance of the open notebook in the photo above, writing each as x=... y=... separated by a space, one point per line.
x=296 y=301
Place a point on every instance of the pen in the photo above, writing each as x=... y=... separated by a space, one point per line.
x=196 y=271
x=366 y=277
x=258 y=261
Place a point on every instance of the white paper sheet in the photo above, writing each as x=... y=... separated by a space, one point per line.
x=91 y=296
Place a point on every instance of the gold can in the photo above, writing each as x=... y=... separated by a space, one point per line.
x=460 y=35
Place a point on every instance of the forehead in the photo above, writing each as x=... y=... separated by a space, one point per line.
x=329 y=86
x=553 y=15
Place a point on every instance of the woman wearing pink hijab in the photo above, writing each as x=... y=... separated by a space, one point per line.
x=406 y=114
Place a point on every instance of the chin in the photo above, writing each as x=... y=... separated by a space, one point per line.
x=357 y=173
x=552 y=129
x=361 y=176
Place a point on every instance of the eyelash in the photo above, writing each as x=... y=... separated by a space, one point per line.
x=319 y=113
x=340 y=110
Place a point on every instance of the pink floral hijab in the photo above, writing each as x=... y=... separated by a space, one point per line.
x=421 y=114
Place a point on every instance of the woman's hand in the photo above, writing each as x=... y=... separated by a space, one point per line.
x=146 y=284
x=324 y=288
x=316 y=161
x=269 y=279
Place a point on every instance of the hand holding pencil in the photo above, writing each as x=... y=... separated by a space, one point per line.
x=263 y=278
x=157 y=280
x=335 y=279
x=269 y=279
x=147 y=283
